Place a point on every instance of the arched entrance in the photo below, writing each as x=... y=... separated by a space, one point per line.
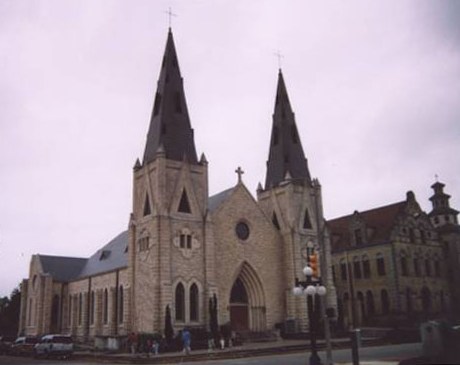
x=239 y=311
x=247 y=301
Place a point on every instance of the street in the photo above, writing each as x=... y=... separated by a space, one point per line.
x=392 y=352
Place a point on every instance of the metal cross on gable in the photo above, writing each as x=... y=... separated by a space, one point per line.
x=170 y=14
x=240 y=172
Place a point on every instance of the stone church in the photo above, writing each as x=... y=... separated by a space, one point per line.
x=182 y=246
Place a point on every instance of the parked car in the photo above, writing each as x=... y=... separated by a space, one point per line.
x=54 y=345
x=23 y=346
x=5 y=344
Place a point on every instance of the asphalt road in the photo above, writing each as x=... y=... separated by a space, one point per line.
x=393 y=352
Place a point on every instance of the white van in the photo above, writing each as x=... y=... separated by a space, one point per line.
x=54 y=345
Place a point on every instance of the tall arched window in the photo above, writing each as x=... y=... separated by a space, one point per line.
x=29 y=322
x=106 y=306
x=180 y=302
x=70 y=310
x=91 y=309
x=426 y=300
x=409 y=300
x=366 y=267
x=370 y=303
x=80 y=308
x=362 y=306
x=357 y=267
x=404 y=271
x=55 y=312
x=121 y=308
x=194 y=304
x=385 y=301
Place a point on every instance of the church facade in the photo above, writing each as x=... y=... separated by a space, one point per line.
x=182 y=246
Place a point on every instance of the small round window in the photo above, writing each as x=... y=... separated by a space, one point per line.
x=242 y=231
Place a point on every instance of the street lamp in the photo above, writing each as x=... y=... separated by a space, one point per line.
x=311 y=288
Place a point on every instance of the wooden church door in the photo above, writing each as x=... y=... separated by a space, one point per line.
x=239 y=312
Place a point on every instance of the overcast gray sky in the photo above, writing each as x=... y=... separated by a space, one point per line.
x=375 y=87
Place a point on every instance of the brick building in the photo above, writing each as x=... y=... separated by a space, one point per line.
x=182 y=246
x=396 y=264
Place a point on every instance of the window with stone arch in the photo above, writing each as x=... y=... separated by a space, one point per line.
x=357 y=267
x=92 y=308
x=106 y=306
x=70 y=310
x=55 y=311
x=80 y=308
x=380 y=260
x=306 y=220
x=194 y=302
x=121 y=309
x=366 y=267
x=403 y=261
x=180 y=302
x=385 y=300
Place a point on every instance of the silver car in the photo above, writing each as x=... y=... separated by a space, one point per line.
x=54 y=346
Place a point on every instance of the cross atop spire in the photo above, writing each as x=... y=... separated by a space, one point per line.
x=170 y=14
x=279 y=55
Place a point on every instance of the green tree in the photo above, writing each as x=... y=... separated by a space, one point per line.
x=213 y=322
x=169 y=331
x=9 y=313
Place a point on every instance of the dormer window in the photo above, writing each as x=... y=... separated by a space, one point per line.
x=104 y=255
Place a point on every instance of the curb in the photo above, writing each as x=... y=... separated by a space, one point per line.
x=215 y=355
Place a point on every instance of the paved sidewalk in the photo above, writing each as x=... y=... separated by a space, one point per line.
x=244 y=351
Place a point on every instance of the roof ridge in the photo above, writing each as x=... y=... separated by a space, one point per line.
x=369 y=210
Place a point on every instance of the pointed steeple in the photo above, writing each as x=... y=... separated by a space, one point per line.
x=286 y=154
x=170 y=123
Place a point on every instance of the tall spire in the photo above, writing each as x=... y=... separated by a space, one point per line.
x=286 y=156
x=170 y=127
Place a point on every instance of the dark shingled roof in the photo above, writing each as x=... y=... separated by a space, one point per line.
x=62 y=268
x=170 y=126
x=286 y=153
x=110 y=257
x=379 y=220
x=216 y=200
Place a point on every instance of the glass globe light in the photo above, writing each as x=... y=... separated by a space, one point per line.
x=308 y=271
x=321 y=290
x=310 y=290
x=297 y=291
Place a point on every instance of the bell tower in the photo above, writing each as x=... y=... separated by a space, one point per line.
x=293 y=200
x=168 y=234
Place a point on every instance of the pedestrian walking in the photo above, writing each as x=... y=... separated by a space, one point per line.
x=186 y=340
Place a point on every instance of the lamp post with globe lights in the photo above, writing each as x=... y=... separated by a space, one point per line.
x=311 y=288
